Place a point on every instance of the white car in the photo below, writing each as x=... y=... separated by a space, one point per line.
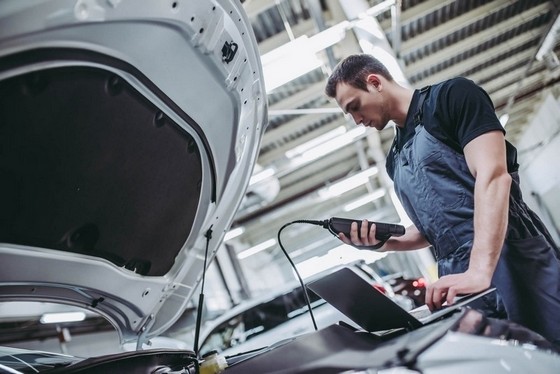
x=128 y=133
x=283 y=314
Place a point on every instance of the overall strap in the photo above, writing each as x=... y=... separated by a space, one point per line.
x=389 y=165
x=420 y=107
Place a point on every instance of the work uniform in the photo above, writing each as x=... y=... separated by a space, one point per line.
x=436 y=188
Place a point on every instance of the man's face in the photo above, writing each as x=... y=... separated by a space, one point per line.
x=366 y=107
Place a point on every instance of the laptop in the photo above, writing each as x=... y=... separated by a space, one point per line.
x=354 y=296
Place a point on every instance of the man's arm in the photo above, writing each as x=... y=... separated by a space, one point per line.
x=486 y=159
x=360 y=235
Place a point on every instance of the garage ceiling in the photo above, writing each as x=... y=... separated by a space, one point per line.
x=508 y=47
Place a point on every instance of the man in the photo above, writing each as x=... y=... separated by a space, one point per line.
x=456 y=177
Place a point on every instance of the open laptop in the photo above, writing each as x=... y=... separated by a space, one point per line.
x=354 y=296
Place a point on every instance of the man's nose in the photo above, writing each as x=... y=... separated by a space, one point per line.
x=357 y=118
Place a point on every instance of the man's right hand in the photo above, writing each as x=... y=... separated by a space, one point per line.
x=361 y=236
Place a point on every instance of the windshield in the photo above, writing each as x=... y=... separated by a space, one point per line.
x=25 y=361
x=259 y=319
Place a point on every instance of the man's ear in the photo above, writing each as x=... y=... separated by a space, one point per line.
x=375 y=81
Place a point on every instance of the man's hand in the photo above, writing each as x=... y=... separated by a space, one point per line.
x=450 y=286
x=362 y=236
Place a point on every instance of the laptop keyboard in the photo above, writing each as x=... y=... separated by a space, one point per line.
x=420 y=312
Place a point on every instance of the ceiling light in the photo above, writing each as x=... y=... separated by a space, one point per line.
x=364 y=200
x=298 y=56
x=503 y=119
x=261 y=175
x=288 y=62
x=256 y=249
x=341 y=255
x=549 y=40
x=302 y=148
x=348 y=184
x=62 y=317
x=328 y=147
x=330 y=36
x=234 y=233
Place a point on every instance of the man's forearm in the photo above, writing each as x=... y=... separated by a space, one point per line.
x=412 y=239
x=490 y=223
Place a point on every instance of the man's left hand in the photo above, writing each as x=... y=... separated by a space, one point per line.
x=450 y=286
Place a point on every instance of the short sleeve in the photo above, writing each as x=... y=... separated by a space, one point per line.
x=468 y=109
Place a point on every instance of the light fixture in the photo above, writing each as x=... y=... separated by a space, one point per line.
x=315 y=142
x=549 y=40
x=261 y=175
x=503 y=119
x=288 y=62
x=347 y=184
x=340 y=255
x=256 y=249
x=62 y=317
x=330 y=36
x=327 y=147
x=298 y=56
x=379 y=193
x=234 y=233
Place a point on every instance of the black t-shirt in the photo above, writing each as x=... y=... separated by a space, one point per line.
x=455 y=112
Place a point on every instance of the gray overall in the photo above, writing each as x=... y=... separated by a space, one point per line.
x=436 y=188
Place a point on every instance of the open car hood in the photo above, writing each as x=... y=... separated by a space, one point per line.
x=128 y=133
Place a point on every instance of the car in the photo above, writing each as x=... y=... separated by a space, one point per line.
x=284 y=313
x=16 y=360
x=128 y=133
x=464 y=342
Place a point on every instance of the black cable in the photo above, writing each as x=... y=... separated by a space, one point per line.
x=324 y=224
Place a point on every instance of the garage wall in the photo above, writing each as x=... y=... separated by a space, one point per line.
x=539 y=156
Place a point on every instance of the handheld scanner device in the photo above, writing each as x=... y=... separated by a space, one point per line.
x=383 y=231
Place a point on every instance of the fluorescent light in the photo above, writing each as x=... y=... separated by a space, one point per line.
x=256 y=249
x=341 y=255
x=302 y=148
x=328 y=147
x=300 y=111
x=549 y=41
x=377 y=9
x=261 y=175
x=62 y=317
x=234 y=233
x=348 y=184
x=288 y=62
x=298 y=56
x=503 y=119
x=330 y=36
x=364 y=200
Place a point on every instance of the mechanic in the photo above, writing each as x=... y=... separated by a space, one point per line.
x=456 y=176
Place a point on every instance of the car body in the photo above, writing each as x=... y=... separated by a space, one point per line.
x=24 y=360
x=465 y=342
x=284 y=313
x=129 y=130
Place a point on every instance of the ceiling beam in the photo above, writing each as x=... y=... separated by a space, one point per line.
x=475 y=40
x=471 y=62
x=453 y=25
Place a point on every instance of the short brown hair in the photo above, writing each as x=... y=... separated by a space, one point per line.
x=354 y=70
